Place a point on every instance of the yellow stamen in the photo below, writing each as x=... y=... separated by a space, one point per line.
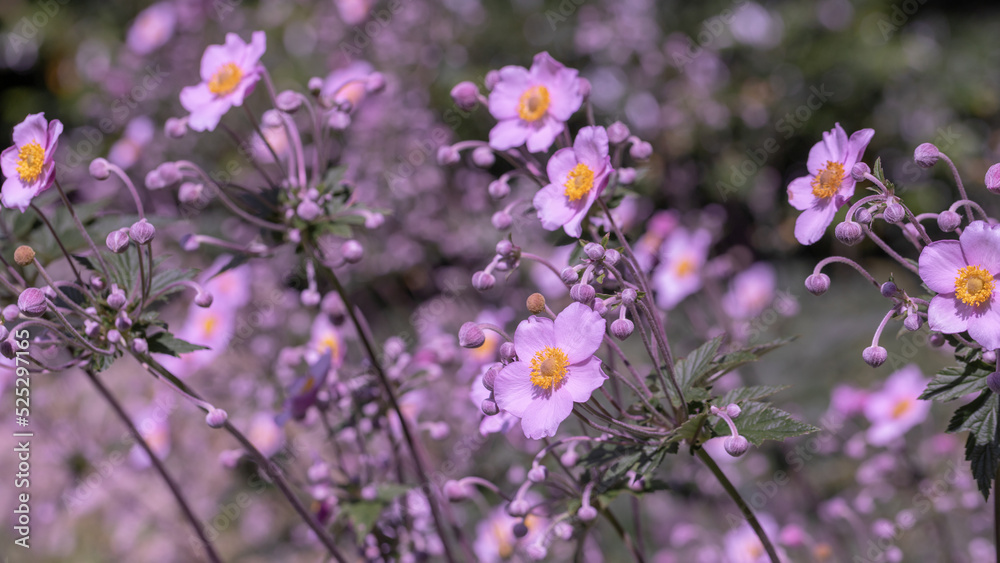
x=685 y=266
x=505 y=547
x=901 y=408
x=548 y=367
x=208 y=325
x=533 y=104
x=974 y=285
x=30 y=161
x=329 y=342
x=225 y=79
x=827 y=182
x=579 y=182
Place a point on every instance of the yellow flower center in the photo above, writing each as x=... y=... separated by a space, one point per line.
x=974 y=285
x=533 y=104
x=329 y=342
x=548 y=367
x=901 y=408
x=30 y=161
x=685 y=266
x=828 y=181
x=579 y=182
x=208 y=325
x=505 y=548
x=225 y=79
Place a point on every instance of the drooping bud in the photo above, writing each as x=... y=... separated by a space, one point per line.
x=455 y=491
x=536 y=303
x=936 y=339
x=926 y=155
x=600 y=307
x=203 y=299
x=817 y=284
x=948 y=220
x=483 y=281
x=447 y=154
x=471 y=336
x=893 y=212
x=216 y=418
x=586 y=513
x=990 y=356
x=10 y=313
x=622 y=328
x=190 y=192
x=737 y=445
x=618 y=132
x=140 y=346
x=483 y=157
x=538 y=473
x=611 y=256
x=175 y=127
x=170 y=173
x=888 y=289
x=507 y=352
x=501 y=220
x=859 y=170
x=875 y=356
x=490 y=407
x=490 y=377
x=352 y=251
x=641 y=150
x=849 y=233
x=629 y=295
x=863 y=216
x=593 y=251
x=499 y=188
x=733 y=410
x=288 y=101
x=582 y=293
x=504 y=247
x=142 y=231
x=466 y=95
x=626 y=175
x=122 y=322
x=31 y=302
x=913 y=321
x=99 y=169
x=993 y=179
x=569 y=275
x=117 y=299
x=24 y=255
x=518 y=508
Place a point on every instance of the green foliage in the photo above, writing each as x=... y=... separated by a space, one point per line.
x=982 y=449
x=166 y=343
x=760 y=421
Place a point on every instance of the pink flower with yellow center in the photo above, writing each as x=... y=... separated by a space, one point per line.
x=556 y=367
x=228 y=74
x=829 y=184
x=964 y=274
x=532 y=106
x=681 y=259
x=578 y=175
x=29 y=165
x=896 y=408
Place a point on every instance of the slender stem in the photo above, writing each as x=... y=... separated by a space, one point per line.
x=958 y=181
x=996 y=514
x=888 y=250
x=629 y=544
x=744 y=507
x=83 y=231
x=155 y=460
x=55 y=235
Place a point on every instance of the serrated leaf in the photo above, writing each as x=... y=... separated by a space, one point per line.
x=953 y=382
x=164 y=278
x=737 y=358
x=689 y=369
x=759 y=422
x=690 y=427
x=752 y=393
x=982 y=449
x=618 y=459
x=166 y=343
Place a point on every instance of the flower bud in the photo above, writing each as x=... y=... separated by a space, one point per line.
x=114 y=336
x=849 y=233
x=97 y=282
x=600 y=307
x=518 y=508
x=936 y=339
x=140 y=346
x=569 y=275
x=375 y=83
x=537 y=551
x=733 y=410
x=519 y=530
x=175 y=127
x=154 y=181
x=622 y=328
x=582 y=293
x=352 y=251
x=7 y=348
x=863 y=216
x=447 y=154
x=454 y=491
x=122 y=322
x=216 y=418
x=875 y=356
x=499 y=188
x=117 y=241
x=618 y=132
x=24 y=255
x=483 y=281
x=989 y=356
x=584 y=86
x=629 y=296
x=10 y=313
x=948 y=220
x=31 y=302
x=190 y=192
x=466 y=95
x=859 y=170
x=308 y=210
x=169 y=172
x=593 y=251
x=142 y=231
x=502 y=220
x=611 y=256
x=737 y=445
x=504 y=247
x=288 y=101
x=491 y=79
x=536 y=303
x=99 y=169
x=203 y=299
x=641 y=150
x=626 y=175
x=538 y=474
x=490 y=377
x=586 y=513
x=893 y=212
x=490 y=407
x=471 y=336
x=817 y=284
x=993 y=179
x=926 y=155
x=507 y=352
x=913 y=321
x=310 y=297
x=483 y=157
x=888 y=289
x=993 y=382
x=117 y=299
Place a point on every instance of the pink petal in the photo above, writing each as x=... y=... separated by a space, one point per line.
x=819 y=154
x=985 y=328
x=981 y=246
x=856 y=147
x=33 y=128
x=554 y=208
x=800 y=194
x=8 y=161
x=52 y=138
x=546 y=413
x=508 y=134
x=513 y=389
x=206 y=109
x=948 y=315
x=560 y=165
x=812 y=223
x=591 y=147
x=583 y=379
x=533 y=335
x=233 y=51
x=579 y=331
x=939 y=263
x=14 y=194
x=254 y=51
x=542 y=136
x=836 y=142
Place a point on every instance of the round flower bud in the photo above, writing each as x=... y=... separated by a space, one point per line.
x=637 y=484
x=117 y=299
x=10 y=313
x=190 y=192
x=99 y=169
x=455 y=491
x=913 y=321
x=737 y=445
x=936 y=339
x=154 y=181
x=582 y=293
x=31 y=302
x=629 y=296
x=499 y=189
x=586 y=513
x=142 y=231
x=483 y=281
x=169 y=172
x=875 y=356
x=502 y=220
x=447 y=154
x=626 y=175
x=863 y=216
x=948 y=220
x=640 y=150
x=490 y=377
x=600 y=307
x=989 y=356
x=117 y=241
x=490 y=407
x=859 y=170
x=622 y=328
x=471 y=336
x=308 y=210
x=216 y=418
x=569 y=275
x=24 y=255
x=536 y=303
x=483 y=157
x=122 y=322
x=993 y=382
x=288 y=101
x=466 y=95
x=888 y=289
x=175 y=127
x=618 y=132
x=849 y=233
x=504 y=247
x=114 y=336
x=593 y=251
x=993 y=179
x=926 y=155
x=538 y=474
x=491 y=79
x=893 y=212
x=817 y=284
x=375 y=83
x=352 y=251
x=611 y=256
x=203 y=299
x=507 y=352
x=97 y=282
x=733 y=410
x=537 y=551
x=140 y=346
x=310 y=297
x=519 y=530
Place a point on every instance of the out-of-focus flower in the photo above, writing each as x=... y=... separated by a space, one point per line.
x=750 y=292
x=29 y=165
x=562 y=369
x=829 y=184
x=896 y=408
x=126 y=150
x=228 y=74
x=495 y=539
x=681 y=259
x=152 y=28
x=963 y=273
x=578 y=175
x=532 y=106
x=325 y=338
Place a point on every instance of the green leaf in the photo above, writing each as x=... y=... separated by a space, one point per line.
x=759 y=422
x=752 y=393
x=737 y=358
x=982 y=449
x=954 y=382
x=166 y=343
x=100 y=362
x=164 y=278
x=690 y=369
x=618 y=459
x=690 y=427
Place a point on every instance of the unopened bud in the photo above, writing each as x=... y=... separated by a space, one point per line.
x=352 y=251
x=586 y=513
x=117 y=299
x=893 y=212
x=140 y=346
x=31 y=302
x=990 y=356
x=499 y=189
x=24 y=255
x=948 y=220
x=993 y=179
x=737 y=445
x=288 y=101
x=926 y=155
x=733 y=410
x=582 y=293
x=888 y=289
x=471 y=336
x=536 y=303
x=483 y=157
x=936 y=339
x=308 y=210
x=447 y=154
x=622 y=328
x=502 y=220
x=466 y=95
x=538 y=474
x=859 y=170
x=611 y=256
x=142 y=231
x=175 y=127
x=483 y=281
x=875 y=356
x=817 y=284
x=216 y=418
x=593 y=251
x=618 y=132
x=203 y=299
x=507 y=352
x=490 y=377
x=641 y=150
x=569 y=275
x=454 y=491
x=863 y=216
x=99 y=169
x=849 y=233
x=913 y=321
x=117 y=241
x=490 y=407
x=993 y=382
